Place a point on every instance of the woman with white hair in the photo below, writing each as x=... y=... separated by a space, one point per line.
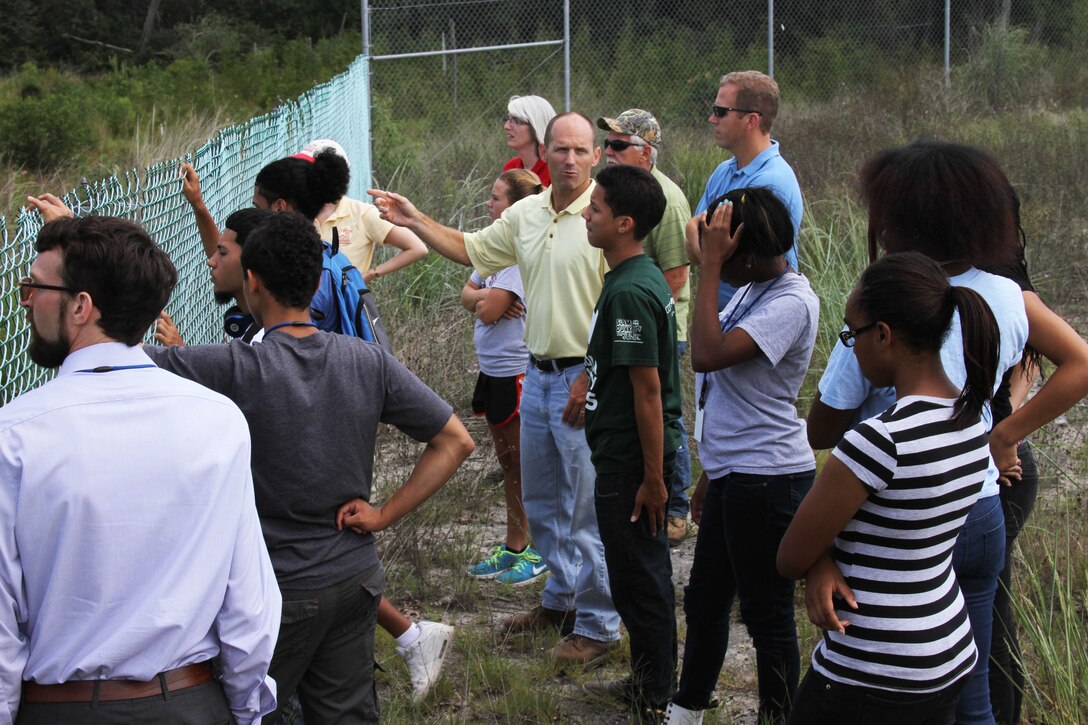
x=527 y=119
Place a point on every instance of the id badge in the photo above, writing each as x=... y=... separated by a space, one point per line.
x=699 y=425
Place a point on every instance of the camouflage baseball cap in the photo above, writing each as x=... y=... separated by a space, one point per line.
x=634 y=122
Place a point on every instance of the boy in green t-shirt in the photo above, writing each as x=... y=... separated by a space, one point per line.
x=633 y=405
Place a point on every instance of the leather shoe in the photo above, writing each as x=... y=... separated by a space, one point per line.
x=539 y=618
x=579 y=650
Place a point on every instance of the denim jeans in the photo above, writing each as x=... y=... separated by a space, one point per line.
x=557 y=482
x=640 y=572
x=821 y=701
x=680 y=481
x=1006 y=676
x=977 y=558
x=744 y=519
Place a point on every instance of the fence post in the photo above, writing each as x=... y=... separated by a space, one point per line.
x=364 y=11
x=947 y=44
x=770 y=38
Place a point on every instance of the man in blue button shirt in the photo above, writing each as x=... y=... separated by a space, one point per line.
x=742 y=115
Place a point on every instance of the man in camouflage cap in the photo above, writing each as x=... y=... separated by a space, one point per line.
x=633 y=140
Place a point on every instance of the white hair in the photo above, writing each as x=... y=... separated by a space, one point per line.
x=534 y=109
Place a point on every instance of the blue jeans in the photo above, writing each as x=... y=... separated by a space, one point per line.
x=557 y=483
x=744 y=519
x=680 y=481
x=640 y=572
x=978 y=557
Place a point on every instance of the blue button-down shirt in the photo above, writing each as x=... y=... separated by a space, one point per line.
x=130 y=543
x=768 y=170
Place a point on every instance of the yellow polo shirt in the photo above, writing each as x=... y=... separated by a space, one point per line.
x=561 y=273
x=360 y=229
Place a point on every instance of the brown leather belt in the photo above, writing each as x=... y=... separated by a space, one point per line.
x=84 y=690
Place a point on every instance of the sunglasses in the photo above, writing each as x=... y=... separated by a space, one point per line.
x=847 y=336
x=618 y=146
x=720 y=111
x=27 y=287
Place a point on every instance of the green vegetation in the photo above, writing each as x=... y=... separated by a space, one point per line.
x=842 y=100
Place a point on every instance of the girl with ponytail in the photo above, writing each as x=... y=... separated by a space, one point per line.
x=884 y=513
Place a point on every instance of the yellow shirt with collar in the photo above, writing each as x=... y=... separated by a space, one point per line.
x=561 y=272
x=360 y=230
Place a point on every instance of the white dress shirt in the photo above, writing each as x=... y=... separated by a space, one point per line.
x=129 y=539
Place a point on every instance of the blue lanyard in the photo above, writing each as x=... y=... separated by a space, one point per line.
x=114 y=368
x=728 y=324
x=288 y=324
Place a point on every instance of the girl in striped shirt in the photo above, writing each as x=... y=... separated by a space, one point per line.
x=883 y=515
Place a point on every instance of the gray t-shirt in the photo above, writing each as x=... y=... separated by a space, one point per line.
x=750 y=422
x=500 y=346
x=313 y=405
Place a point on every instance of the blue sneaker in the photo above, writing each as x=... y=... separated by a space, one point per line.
x=528 y=568
x=500 y=560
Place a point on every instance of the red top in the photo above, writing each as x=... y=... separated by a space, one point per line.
x=540 y=168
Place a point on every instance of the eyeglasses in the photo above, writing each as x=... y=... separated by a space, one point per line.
x=720 y=111
x=618 y=146
x=515 y=121
x=27 y=287
x=847 y=336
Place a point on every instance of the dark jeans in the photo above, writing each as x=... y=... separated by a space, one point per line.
x=203 y=704
x=1006 y=677
x=744 y=518
x=640 y=575
x=977 y=557
x=821 y=701
x=326 y=651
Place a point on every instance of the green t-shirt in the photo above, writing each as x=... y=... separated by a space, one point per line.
x=634 y=324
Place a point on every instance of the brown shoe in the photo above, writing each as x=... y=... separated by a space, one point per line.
x=538 y=618
x=579 y=650
x=678 y=529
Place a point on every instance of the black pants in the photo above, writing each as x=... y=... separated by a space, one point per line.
x=203 y=704
x=821 y=701
x=1006 y=677
x=640 y=575
x=325 y=651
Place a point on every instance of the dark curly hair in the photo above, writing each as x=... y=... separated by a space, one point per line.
x=128 y=277
x=285 y=252
x=305 y=185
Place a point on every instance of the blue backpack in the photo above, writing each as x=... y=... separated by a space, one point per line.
x=343 y=303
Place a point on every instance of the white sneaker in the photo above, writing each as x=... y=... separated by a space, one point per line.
x=425 y=657
x=676 y=715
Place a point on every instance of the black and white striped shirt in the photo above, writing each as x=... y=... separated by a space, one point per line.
x=910 y=631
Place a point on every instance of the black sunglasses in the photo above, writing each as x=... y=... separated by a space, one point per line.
x=846 y=337
x=27 y=287
x=720 y=111
x=620 y=145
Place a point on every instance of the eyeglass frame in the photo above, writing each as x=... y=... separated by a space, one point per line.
x=27 y=283
x=511 y=118
x=613 y=143
x=721 y=111
x=848 y=337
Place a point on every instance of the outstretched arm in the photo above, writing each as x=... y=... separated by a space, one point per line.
x=440 y=459
x=190 y=188
x=397 y=209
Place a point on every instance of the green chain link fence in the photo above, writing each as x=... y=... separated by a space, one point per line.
x=227 y=164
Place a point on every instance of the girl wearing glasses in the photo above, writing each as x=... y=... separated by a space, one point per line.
x=954 y=204
x=884 y=514
x=527 y=119
x=757 y=465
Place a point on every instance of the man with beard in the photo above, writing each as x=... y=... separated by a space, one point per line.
x=131 y=559
x=225 y=262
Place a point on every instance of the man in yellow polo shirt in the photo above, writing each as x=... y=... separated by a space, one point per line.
x=546 y=236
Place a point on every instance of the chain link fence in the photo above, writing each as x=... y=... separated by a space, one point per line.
x=227 y=164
